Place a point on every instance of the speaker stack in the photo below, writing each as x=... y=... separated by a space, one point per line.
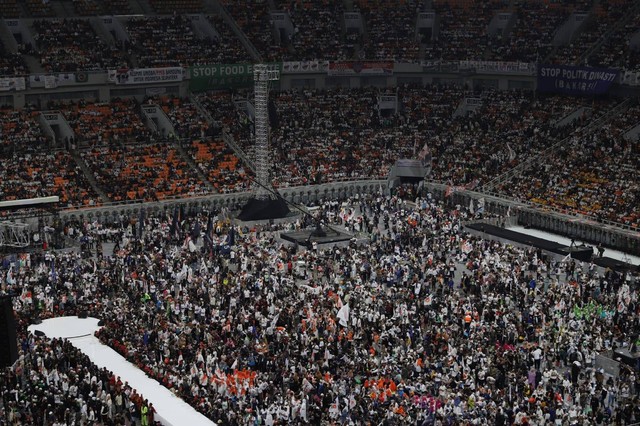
x=8 y=340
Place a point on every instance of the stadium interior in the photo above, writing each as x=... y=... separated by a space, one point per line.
x=142 y=118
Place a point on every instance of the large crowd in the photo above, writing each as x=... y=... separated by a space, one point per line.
x=168 y=7
x=11 y=63
x=103 y=123
x=530 y=38
x=67 y=45
x=618 y=50
x=317 y=130
x=185 y=118
x=257 y=25
x=148 y=172
x=230 y=48
x=35 y=166
x=105 y=7
x=165 y=41
x=56 y=384
x=423 y=323
x=112 y=144
x=21 y=132
x=318 y=31
x=40 y=9
x=220 y=165
x=45 y=173
x=604 y=16
x=463 y=31
x=53 y=383
x=174 y=41
x=324 y=136
x=390 y=30
x=9 y=9
x=592 y=174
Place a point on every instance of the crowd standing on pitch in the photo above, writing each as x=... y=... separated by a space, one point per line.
x=425 y=323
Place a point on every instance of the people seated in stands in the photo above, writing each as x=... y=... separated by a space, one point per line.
x=170 y=41
x=70 y=45
x=255 y=22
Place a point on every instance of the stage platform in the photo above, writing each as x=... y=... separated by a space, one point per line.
x=615 y=264
x=580 y=252
x=306 y=236
x=517 y=237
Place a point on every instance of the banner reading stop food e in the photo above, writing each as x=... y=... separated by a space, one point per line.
x=223 y=76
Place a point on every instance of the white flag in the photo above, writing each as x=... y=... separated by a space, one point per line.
x=512 y=153
x=303 y=409
x=343 y=315
x=334 y=410
x=481 y=205
x=268 y=421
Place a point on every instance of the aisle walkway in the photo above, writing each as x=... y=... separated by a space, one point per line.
x=171 y=410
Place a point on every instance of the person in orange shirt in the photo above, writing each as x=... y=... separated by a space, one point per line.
x=467 y=322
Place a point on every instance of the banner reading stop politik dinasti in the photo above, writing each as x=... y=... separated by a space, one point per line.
x=575 y=80
x=223 y=76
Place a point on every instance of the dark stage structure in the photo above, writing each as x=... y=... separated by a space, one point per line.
x=580 y=252
x=319 y=235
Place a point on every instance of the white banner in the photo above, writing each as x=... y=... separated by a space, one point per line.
x=630 y=78
x=294 y=67
x=146 y=75
x=12 y=83
x=387 y=102
x=50 y=82
x=155 y=91
x=345 y=68
x=499 y=66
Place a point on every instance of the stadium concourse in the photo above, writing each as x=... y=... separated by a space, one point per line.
x=418 y=319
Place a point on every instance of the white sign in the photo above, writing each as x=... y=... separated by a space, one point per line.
x=146 y=75
x=294 y=67
x=12 y=83
x=50 y=81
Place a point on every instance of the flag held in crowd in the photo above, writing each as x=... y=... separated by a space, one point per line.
x=141 y=219
x=343 y=315
x=480 y=209
x=195 y=234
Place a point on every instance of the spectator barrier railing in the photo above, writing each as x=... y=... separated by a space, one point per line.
x=609 y=234
x=296 y=194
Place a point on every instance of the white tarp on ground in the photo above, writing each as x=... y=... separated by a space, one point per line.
x=171 y=410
